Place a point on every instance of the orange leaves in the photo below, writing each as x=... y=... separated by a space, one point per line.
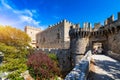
x=13 y=36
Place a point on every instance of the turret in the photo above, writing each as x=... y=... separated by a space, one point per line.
x=110 y=19
x=97 y=26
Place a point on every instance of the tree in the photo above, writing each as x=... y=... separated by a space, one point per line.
x=13 y=37
x=13 y=43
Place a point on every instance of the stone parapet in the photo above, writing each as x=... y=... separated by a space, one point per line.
x=81 y=70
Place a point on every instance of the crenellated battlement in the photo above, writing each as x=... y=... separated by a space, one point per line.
x=110 y=27
x=86 y=26
x=82 y=33
x=60 y=22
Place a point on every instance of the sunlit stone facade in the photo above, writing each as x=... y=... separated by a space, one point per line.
x=32 y=31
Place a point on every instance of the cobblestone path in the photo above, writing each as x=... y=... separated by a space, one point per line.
x=106 y=68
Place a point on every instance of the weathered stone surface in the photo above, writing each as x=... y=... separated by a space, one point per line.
x=32 y=32
x=80 y=71
x=114 y=42
x=114 y=55
x=56 y=36
x=64 y=60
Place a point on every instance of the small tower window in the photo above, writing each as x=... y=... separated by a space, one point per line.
x=58 y=35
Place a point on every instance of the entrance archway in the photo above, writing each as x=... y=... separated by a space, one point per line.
x=99 y=46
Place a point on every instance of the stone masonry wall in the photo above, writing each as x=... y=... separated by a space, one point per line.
x=114 y=42
x=52 y=37
x=56 y=36
x=78 y=49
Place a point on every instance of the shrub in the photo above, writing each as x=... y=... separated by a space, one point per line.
x=41 y=66
x=53 y=56
x=15 y=76
x=14 y=61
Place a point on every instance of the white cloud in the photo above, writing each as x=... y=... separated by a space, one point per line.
x=5 y=4
x=29 y=20
x=17 y=18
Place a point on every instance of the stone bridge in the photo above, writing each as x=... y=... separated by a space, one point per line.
x=105 y=68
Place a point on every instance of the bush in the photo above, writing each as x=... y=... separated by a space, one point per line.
x=41 y=66
x=15 y=76
x=14 y=61
x=53 y=56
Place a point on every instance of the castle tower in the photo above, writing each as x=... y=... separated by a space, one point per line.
x=32 y=31
x=78 y=44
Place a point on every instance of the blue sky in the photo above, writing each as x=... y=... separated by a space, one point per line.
x=41 y=13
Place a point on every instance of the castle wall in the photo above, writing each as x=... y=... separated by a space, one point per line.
x=55 y=36
x=52 y=37
x=114 y=42
x=114 y=45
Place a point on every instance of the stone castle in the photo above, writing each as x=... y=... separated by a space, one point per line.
x=57 y=35
x=71 y=42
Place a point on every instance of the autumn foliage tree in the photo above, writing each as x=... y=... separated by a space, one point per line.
x=13 y=37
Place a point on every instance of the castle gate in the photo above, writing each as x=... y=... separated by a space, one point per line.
x=99 y=42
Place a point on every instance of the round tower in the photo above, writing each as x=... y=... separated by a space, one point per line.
x=79 y=43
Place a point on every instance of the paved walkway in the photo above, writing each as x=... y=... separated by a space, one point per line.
x=106 y=68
